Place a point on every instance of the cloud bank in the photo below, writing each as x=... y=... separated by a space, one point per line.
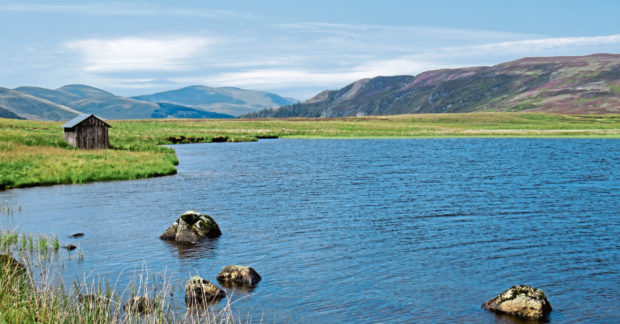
x=139 y=54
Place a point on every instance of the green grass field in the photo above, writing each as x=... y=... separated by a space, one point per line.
x=34 y=153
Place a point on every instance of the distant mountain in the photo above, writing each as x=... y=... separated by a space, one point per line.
x=86 y=99
x=170 y=110
x=233 y=101
x=577 y=84
x=84 y=91
x=15 y=104
x=61 y=98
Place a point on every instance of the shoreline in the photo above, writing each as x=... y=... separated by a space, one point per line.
x=34 y=153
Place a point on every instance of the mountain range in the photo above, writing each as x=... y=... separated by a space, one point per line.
x=66 y=102
x=571 y=84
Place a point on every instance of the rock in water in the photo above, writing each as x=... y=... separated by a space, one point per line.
x=237 y=275
x=522 y=301
x=191 y=227
x=139 y=305
x=200 y=292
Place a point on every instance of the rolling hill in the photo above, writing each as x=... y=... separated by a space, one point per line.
x=191 y=102
x=227 y=100
x=18 y=105
x=90 y=100
x=577 y=84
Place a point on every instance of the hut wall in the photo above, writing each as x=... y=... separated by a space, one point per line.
x=89 y=134
x=70 y=137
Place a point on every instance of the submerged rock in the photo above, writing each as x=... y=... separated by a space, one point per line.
x=521 y=301
x=238 y=275
x=140 y=305
x=201 y=292
x=191 y=227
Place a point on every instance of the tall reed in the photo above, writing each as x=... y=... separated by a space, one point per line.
x=32 y=290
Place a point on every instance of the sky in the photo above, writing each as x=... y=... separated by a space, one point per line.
x=292 y=48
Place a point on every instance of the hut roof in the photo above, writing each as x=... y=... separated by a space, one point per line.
x=80 y=118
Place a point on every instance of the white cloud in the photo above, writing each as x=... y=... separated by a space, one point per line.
x=274 y=78
x=139 y=54
x=125 y=9
x=532 y=46
x=331 y=77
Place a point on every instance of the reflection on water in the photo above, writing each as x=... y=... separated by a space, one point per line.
x=206 y=248
x=362 y=231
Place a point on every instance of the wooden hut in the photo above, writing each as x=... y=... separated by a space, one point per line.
x=87 y=132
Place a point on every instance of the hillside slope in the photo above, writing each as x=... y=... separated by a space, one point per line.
x=579 y=84
x=91 y=100
x=228 y=100
x=18 y=105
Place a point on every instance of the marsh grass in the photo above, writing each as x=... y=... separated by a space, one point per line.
x=9 y=209
x=33 y=291
x=35 y=153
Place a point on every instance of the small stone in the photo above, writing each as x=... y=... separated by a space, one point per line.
x=238 y=275
x=200 y=292
x=520 y=301
x=140 y=305
x=191 y=227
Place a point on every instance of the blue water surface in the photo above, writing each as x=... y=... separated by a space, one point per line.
x=362 y=231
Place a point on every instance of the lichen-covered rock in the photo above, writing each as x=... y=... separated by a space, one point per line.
x=521 y=301
x=140 y=305
x=238 y=275
x=191 y=227
x=200 y=292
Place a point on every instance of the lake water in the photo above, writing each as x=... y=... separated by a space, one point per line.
x=363 y=231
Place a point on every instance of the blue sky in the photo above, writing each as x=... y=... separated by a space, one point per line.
x=293 y=48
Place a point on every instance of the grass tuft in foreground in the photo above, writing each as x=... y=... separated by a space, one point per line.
x=30 y=291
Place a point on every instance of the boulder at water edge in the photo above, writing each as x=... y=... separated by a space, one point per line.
x=200 y=292
x=140 y=305
x=521 y=301
x=191 y=227
x=237 y=275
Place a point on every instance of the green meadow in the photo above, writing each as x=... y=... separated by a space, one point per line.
x=35 y=153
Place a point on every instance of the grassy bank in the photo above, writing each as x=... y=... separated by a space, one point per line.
x=34 y=153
